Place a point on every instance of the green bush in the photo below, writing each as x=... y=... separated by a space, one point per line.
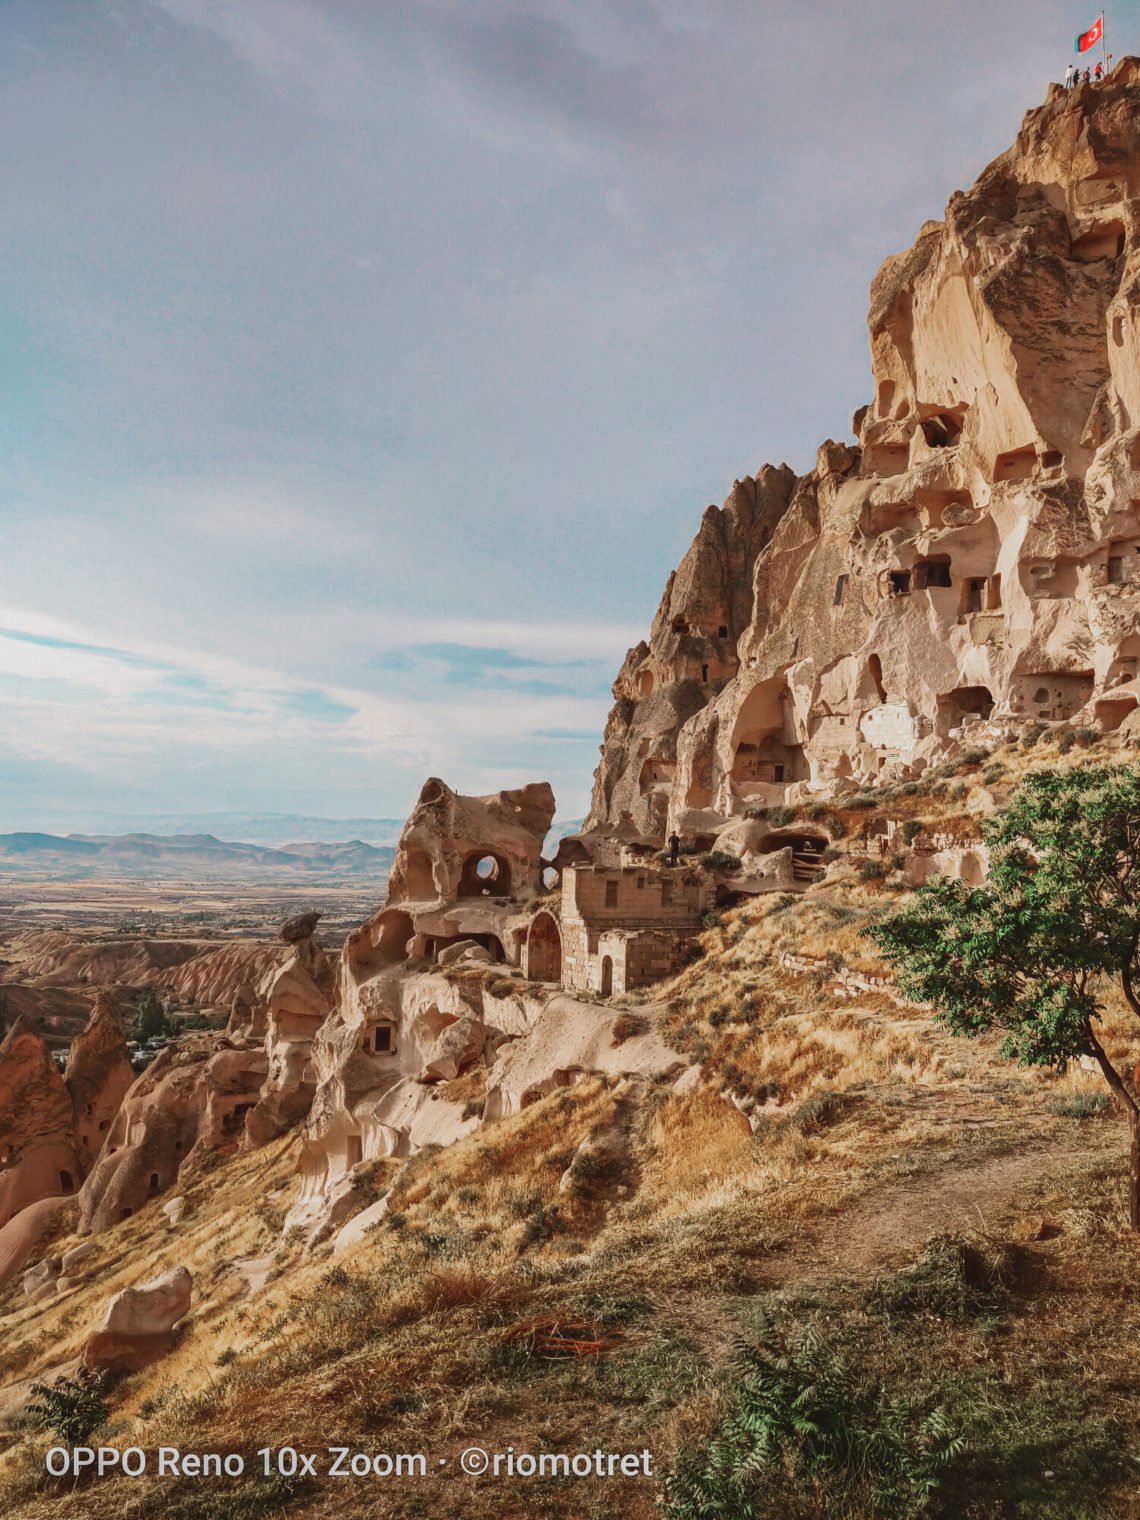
x=779 y=815
x=72 y=1408
x=719 y=860
x=802 y=1417
x=872 y=870
x=912 y=828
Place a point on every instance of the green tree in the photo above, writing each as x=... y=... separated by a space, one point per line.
x=1031 y=951
x=151 y=1022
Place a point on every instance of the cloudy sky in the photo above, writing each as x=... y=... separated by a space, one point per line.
x=366 y=364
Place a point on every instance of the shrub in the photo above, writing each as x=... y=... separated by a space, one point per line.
x=872 y=870
x=951 y=1279
x=72 y=1408
x=800 y=1414
x=975 y=754
x=993 y=773
x=1081 y=1106
x=500 y=986
x=781 y=814
x=835 y=825
x=471 y=1108
x=626 y=1026
x=819 y=1111
x=1031 y=735
x=912 y=828
x=719 y=860
x=1086 y=735
x=863 y=800
x=756 y=810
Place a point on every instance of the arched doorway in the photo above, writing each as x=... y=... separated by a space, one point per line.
x=607 y=975
x=544 y=950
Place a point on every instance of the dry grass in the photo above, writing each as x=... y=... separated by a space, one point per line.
x=866 y=1127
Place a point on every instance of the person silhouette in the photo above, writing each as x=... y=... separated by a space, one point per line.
x=1069 y=72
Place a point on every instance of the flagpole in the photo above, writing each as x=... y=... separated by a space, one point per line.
x=1103 y=46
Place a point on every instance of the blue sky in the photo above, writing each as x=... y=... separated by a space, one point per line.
x=365 y=369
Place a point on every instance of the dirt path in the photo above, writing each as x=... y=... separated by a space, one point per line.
x=890 y=1225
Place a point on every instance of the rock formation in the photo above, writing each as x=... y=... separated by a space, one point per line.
x=972 y=564
x=38 y=1153
x=139 y=1324
x=97 y=1076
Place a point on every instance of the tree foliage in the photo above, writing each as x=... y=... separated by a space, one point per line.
x=1030 y=952
x=151 y=1021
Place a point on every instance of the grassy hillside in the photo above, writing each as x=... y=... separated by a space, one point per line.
x=898 y=1260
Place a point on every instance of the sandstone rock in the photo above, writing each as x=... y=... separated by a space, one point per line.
x=45 y=1271
x=455 y=1048
x=302 y=927
x=38 y=1155
x=175 y=1210
x=973 y=566
x=461 y=950
x=357 y=1227
x=153 y=1308
x=138 y=1325
x=76 y=1255
x=98 y=1077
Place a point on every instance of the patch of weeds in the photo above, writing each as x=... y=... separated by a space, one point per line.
x=820 y=1110
x=1081 y=1106
x=1032 y=734
x=800 y=1417
x=952 y=1279
x=719 y=860
x=781 y=814
x=872 y=870
x=626 y=1027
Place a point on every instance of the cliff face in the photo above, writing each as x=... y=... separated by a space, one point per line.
x=972 y=564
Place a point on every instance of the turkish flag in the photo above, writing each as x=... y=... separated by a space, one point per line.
x=1090 y=38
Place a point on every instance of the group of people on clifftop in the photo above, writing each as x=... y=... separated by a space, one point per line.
x=1074 y=76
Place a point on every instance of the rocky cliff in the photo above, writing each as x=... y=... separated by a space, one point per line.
x=970 y=564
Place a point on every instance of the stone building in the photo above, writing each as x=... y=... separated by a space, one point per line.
x=621 y=927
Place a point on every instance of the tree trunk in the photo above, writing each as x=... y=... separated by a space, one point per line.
x=1134 y=1177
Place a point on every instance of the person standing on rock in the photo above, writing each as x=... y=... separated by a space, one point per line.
x=674 y=848
x=1097 y=73
x=1069 y=72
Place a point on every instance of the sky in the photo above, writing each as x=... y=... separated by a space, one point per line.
x=365 y=368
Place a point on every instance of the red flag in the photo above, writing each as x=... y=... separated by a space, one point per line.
x=1090 y=38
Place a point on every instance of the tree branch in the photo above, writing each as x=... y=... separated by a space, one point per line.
x=1111 y=1075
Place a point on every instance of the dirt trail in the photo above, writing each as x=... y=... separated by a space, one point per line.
x=891 y=1224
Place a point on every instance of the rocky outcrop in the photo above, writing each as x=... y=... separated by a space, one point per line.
x=192 y=1098
x=691 y=656
x=297 y=997
x=139 y=1324
x=38 y=1155
x=971 y=564
x=98 y=1077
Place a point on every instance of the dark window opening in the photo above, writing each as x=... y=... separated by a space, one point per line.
x=942 y=430
x=154 y=1182
x=125 y=1213
x=67 y=1182
x=840 y=587
x=975 y=594
x=900 y=582
x=722 y=631
x=679 y=625
x=932 y=573
x=1116 y=569
x=666 y=894
x=611 y=894
x=704 y=673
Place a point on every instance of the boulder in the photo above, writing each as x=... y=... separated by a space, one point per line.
x=299 y=928
x=139 y=1323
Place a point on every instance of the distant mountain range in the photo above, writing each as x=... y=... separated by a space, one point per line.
x=195 y=855
x=253 y=828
